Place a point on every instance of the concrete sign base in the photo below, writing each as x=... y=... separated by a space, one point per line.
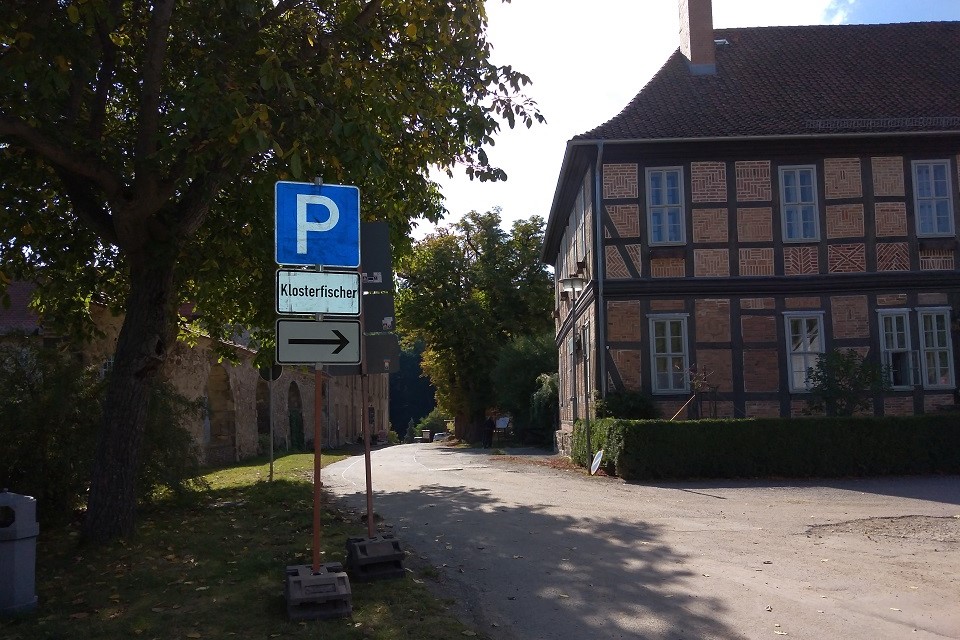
x=318 y=596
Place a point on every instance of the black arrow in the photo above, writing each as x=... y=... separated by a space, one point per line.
x=342 y=341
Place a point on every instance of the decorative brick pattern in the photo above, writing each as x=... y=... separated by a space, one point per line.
x=713 y=320
x=753 y=181
x=933 y=402
x=898 y=406
x=620 y=181
x=718 y=364
x=761 y=370
x=758 y=303
x=668 y=268
x=846 y=258
x=756 y=262
x=800 y=407
x=762 y=408
x=936 y=260
x=841 y=178
x=931 y=298
x=711 y=263
x=850 y=317
x=669 y=408
x=616 y=268
x=625 y=219
x=627 y=362
x=887 y=176
x=755 y=224
x=708 y=181
x=710 y=225
x=891 y=219
x=845 y=221
x=799 y=261
x=623 y=321
x=893 y=256
x=722 y=408
x=891 y=299
x=667 y=305
x=758 y=329
x=633 y=252
x=803 y=303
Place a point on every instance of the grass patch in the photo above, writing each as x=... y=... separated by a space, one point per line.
x=211 y=565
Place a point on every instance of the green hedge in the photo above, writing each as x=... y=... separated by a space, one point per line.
x=773 y=447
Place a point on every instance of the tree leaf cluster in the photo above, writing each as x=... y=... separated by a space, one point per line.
x=465 y=291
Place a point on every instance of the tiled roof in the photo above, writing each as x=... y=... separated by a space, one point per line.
x=18 y=317
x=814 y=80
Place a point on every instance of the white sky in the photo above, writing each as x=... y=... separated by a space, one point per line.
x=588 y=59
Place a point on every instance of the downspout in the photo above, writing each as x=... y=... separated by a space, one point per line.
x=599 y=264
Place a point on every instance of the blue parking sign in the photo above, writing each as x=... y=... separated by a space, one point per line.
x=317 y=224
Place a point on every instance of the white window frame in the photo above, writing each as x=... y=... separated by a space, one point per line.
x=896 y=352
x=682 y=356
x=938 y=355
x=807 y=356
x=800 y=202
x=662 y=209
x=928 y=188
x=580 y=248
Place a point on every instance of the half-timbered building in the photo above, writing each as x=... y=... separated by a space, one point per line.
x=771 y=194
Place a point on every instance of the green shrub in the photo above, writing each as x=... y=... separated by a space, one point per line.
x=50 y=409
x=628 y=405
x=434 y=422
x=843 y=382
x=393 y=437
x=774 y=447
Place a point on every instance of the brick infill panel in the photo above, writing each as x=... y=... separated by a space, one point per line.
x=710 y=225
x=842 y=178
x=753 y=181
x=708 y=181
x=620 y=181
x=887 y=176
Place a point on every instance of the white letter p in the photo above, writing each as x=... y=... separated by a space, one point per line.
x=303 y=226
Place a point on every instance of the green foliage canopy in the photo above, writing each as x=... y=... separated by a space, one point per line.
x=140 y=141
x=465 y=291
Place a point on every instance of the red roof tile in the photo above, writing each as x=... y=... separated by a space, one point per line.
x=814 y=80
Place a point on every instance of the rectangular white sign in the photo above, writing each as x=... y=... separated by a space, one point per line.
x=309 y=342
x=318 y=292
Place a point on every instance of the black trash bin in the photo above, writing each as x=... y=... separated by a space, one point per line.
x=18 y=553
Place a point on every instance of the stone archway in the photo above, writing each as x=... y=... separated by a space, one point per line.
x=295 y=408
x=263 y=415
x=221 y=442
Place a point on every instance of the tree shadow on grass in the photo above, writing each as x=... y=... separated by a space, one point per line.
x=527 y=572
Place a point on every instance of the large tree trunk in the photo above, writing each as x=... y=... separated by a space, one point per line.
x=142 y=345
x=468 y=427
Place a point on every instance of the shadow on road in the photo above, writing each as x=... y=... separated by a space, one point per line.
x=931 y=488
x=535 y=574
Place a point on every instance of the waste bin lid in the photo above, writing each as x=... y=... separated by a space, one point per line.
x=18 y=516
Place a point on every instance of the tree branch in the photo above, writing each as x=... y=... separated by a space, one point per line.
x=148 y=117
x=87 y=206
x=105 y=76
x=81 y=165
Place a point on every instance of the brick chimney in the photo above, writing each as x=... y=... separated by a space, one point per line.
x=696 y=36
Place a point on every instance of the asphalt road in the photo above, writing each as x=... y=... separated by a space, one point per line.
x=532 y=552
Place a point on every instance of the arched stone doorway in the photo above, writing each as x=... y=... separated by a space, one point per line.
x=263 y=415
x=295 y=408
x=220 y=440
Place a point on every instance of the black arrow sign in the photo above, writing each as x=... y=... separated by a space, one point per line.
x=341 y=340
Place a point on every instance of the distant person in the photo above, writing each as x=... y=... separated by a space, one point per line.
x=488 y=428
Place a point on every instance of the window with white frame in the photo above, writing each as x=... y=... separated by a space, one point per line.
x=804 y=346
x=668 y=354
x=933 y=197
x=936 y=352
x=798 y=204
x=580 y=244
x=896 y=356
x=665 y=205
